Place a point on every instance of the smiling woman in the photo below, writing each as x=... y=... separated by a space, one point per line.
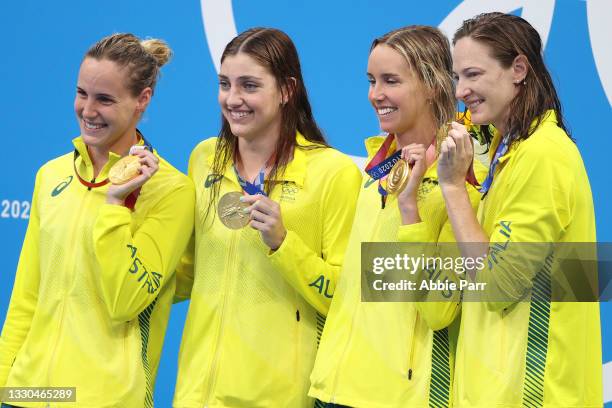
x=406 y=344
x=274 y=207
x=521 y=348
x=95 y=279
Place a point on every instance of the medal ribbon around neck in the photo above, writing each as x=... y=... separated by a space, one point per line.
x=381 y=164
x=502 y=148
x=257 y=186
x=130 y=200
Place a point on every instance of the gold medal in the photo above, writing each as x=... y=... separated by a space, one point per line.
x=230 y=211
x=124 y=170
x=398 y=177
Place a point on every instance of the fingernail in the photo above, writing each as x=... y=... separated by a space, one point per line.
x=246 y=210
x=242 y=198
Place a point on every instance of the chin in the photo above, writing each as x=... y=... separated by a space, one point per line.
x=386 y=127
x=479 y=118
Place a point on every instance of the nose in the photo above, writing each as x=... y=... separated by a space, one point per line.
x=233 y=97
x=376 y=92
x=461 y=90
x=87 y=107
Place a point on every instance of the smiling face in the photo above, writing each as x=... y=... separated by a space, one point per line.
x=106 y=110
x=483 y=84
x=249 y=97
x=398 y=97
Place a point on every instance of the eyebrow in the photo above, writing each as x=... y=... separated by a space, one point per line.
x=464 y=70
x=242 y=78
x=384 y=74
x=105 y=95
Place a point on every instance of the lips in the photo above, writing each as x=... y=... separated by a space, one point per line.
x=93 y=125
x=473 y=103
x=238 y=115
x=384 y=111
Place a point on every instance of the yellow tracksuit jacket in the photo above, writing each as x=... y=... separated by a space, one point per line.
x=376 y=355
x=254 y=317
x=526 y=354
x=94 y=285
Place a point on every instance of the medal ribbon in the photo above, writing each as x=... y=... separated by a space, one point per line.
x=130 y=200
x=381 y=164
x=502 y=148
x=257 y=186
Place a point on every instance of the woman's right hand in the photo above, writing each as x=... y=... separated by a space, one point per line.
x=149 y=164
x=414 y=154
x=456 y=156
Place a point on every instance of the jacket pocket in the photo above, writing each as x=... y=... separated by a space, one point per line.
x=412 y=350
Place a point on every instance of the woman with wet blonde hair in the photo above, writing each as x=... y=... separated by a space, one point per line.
x=399 y=354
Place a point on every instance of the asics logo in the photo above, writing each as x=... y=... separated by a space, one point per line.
x=212 y=179
x=61 y=186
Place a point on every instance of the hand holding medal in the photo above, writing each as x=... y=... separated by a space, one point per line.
x=409 y=172
x=456 y=156
x=265 y=216
x=130 y=173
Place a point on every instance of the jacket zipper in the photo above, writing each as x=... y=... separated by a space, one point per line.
x=68 y=286
x=412 y=347
x=350 y=337
x=297 y=338
x=226 y=290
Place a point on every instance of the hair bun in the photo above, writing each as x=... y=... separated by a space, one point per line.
x=158 y=49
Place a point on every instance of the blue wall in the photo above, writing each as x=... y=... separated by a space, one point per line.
x=43 y=44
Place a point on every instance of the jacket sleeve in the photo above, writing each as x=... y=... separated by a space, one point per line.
x=312 y=274
x=134 y=266
x=25 y=294
x=185 y=272
x=185 y=269
x=536 y=210
x=438 y=308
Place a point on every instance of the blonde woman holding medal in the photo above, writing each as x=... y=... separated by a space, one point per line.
x=274 y=208
x=396 y=354
x=518 y=347
x=95 y=279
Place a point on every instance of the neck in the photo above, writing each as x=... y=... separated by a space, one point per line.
x=99 y=154
x=254 y=154
x=424 y=135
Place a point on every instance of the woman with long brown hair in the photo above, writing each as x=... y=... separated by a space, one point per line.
x=517 y=346
x=274 y=208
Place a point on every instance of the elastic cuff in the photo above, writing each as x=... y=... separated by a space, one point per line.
x=283 y=250
x=418 y=232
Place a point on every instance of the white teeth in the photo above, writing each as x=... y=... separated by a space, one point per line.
x=238 y=114
x=385 y=111
x=89 y=125
x=474 y=104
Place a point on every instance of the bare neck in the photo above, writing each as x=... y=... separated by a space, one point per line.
x=422 y=135
x=99 y=154
x=254 y=155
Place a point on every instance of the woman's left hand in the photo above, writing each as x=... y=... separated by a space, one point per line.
x=266 y=218
x=456 y=156
x=149 y=164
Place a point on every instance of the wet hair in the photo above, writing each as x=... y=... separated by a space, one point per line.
x=508 y=36
x=142 y=58
x=427 y=53
x=273 y=50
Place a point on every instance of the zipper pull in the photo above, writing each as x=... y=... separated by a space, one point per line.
x=410 y=373
x=297 y=315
